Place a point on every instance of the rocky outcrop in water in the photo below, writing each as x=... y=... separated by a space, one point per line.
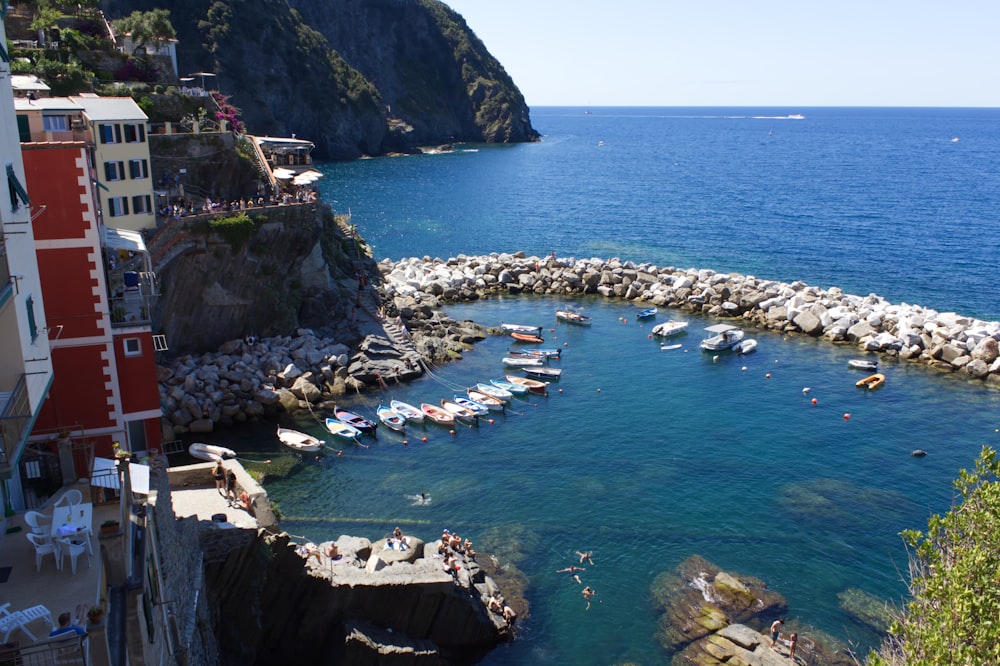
x=710 y=617
x=943 y=340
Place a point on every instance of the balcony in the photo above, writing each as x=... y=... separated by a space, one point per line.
x=15 y=415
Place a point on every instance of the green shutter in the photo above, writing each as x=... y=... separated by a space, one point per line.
x=17 y=190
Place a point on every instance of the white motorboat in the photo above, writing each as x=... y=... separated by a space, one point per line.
x=746 y=346
x=210 y=452
x=863 y=364
x=407 y=411
x=724 y=336
x=520 y=328
x=668 y=328
x=523 y=361
x=299 y=441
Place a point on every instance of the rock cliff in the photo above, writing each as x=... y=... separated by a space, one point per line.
x=356 y=77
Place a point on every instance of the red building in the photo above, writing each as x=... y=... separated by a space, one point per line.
x=97 y=288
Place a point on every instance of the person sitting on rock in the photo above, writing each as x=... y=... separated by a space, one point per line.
x=509 y=615
x=397 y=534
x=332 y=551
x=495 y=605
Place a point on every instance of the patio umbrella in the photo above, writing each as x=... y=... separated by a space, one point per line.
x=283 y=174
x=305 y=178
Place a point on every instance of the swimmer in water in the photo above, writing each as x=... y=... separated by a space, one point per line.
x=423 y=499
x=585 y=556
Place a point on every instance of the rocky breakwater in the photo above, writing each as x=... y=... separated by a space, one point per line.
x=242 y=381
x=944 y=340
x=364 y=603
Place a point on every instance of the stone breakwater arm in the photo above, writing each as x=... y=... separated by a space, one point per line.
x=943 y=340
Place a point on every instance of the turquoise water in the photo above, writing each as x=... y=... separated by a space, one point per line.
x=646 y=456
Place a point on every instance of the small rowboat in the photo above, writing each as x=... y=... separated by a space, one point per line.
x=871 y=382
x=458 y=411
x=647 y=313
x=520 y=328
x=391 y=418
x=555 y=353
x=543 y=373
x=210 y=452
x=438 y=415
x=356 y=420
x=746 y=346
x=474 y=406
x=341 y=429
x=533 y=385
x=668 y=328
x=517 y=389
x=299 y=441
x=407 y=411
x=669 y=347
x=526 y=337
x=484 y=399
x=571 y=317
x=863 y=364
x=498 y=393
x=523 y=361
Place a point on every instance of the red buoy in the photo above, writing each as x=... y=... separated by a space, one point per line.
x=847 y=416
x=815 y=401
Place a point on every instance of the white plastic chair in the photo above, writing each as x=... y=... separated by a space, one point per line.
x=74 y=548
x=71 y=497
x=38 y=522
x=43 y=546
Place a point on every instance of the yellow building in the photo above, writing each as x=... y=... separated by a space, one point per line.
x=25 y=357
x=121 y=156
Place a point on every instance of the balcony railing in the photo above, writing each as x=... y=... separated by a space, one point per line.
x=65 y=649
x=15 y=414
x=131 y=310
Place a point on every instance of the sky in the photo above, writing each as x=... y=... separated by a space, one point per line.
x=739 y=53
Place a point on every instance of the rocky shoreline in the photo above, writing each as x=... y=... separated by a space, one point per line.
x=945 y=341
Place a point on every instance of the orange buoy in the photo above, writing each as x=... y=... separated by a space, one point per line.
x=491 y=421
x=406 y=443
x=340 y=454
x=451 y=432
x=767 y=376
x=424 y=439
x=267 y=462
x=847 y=416
x=560 y=390
x=815 y=401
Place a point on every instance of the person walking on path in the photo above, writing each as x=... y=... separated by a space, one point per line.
x=775 y=633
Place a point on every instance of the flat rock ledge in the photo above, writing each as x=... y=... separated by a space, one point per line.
x=943 y=340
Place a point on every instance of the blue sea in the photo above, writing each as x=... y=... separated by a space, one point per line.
x=646 y=457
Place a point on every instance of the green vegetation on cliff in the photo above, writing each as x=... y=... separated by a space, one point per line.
x=954 y=615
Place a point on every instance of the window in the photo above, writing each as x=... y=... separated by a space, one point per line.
x=110 y=133
x=138 y=169
x=55 y=123
x=133 y=347
x=142 y=203
x=135 y=133
x=17 y=190
x=32 y=327
x=160 y=343
x=114 y=171
x=117 y=206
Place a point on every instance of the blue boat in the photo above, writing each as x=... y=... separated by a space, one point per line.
x=646 y=314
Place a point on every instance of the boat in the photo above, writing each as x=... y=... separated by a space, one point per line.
x=407 y=411
x=533 y=385
x=746 y=346
x=490 y=401
x=523 y=361
x=863 y=364
x=210 y=452
x=391 y=418
x=871 y=382
x=555 y=353
x=491 y=390
x=341 y=429
x=542 y=373
x=668 y=328
x=458 y=411
x=513 y=389
x=474 y=406
x=647 y=313
x=527 y=337
x=299 y=441
x=437 y=415
x=520 y=328
x=669 y=347
x=356 y=420
x=725 y=336
x=571 y=317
